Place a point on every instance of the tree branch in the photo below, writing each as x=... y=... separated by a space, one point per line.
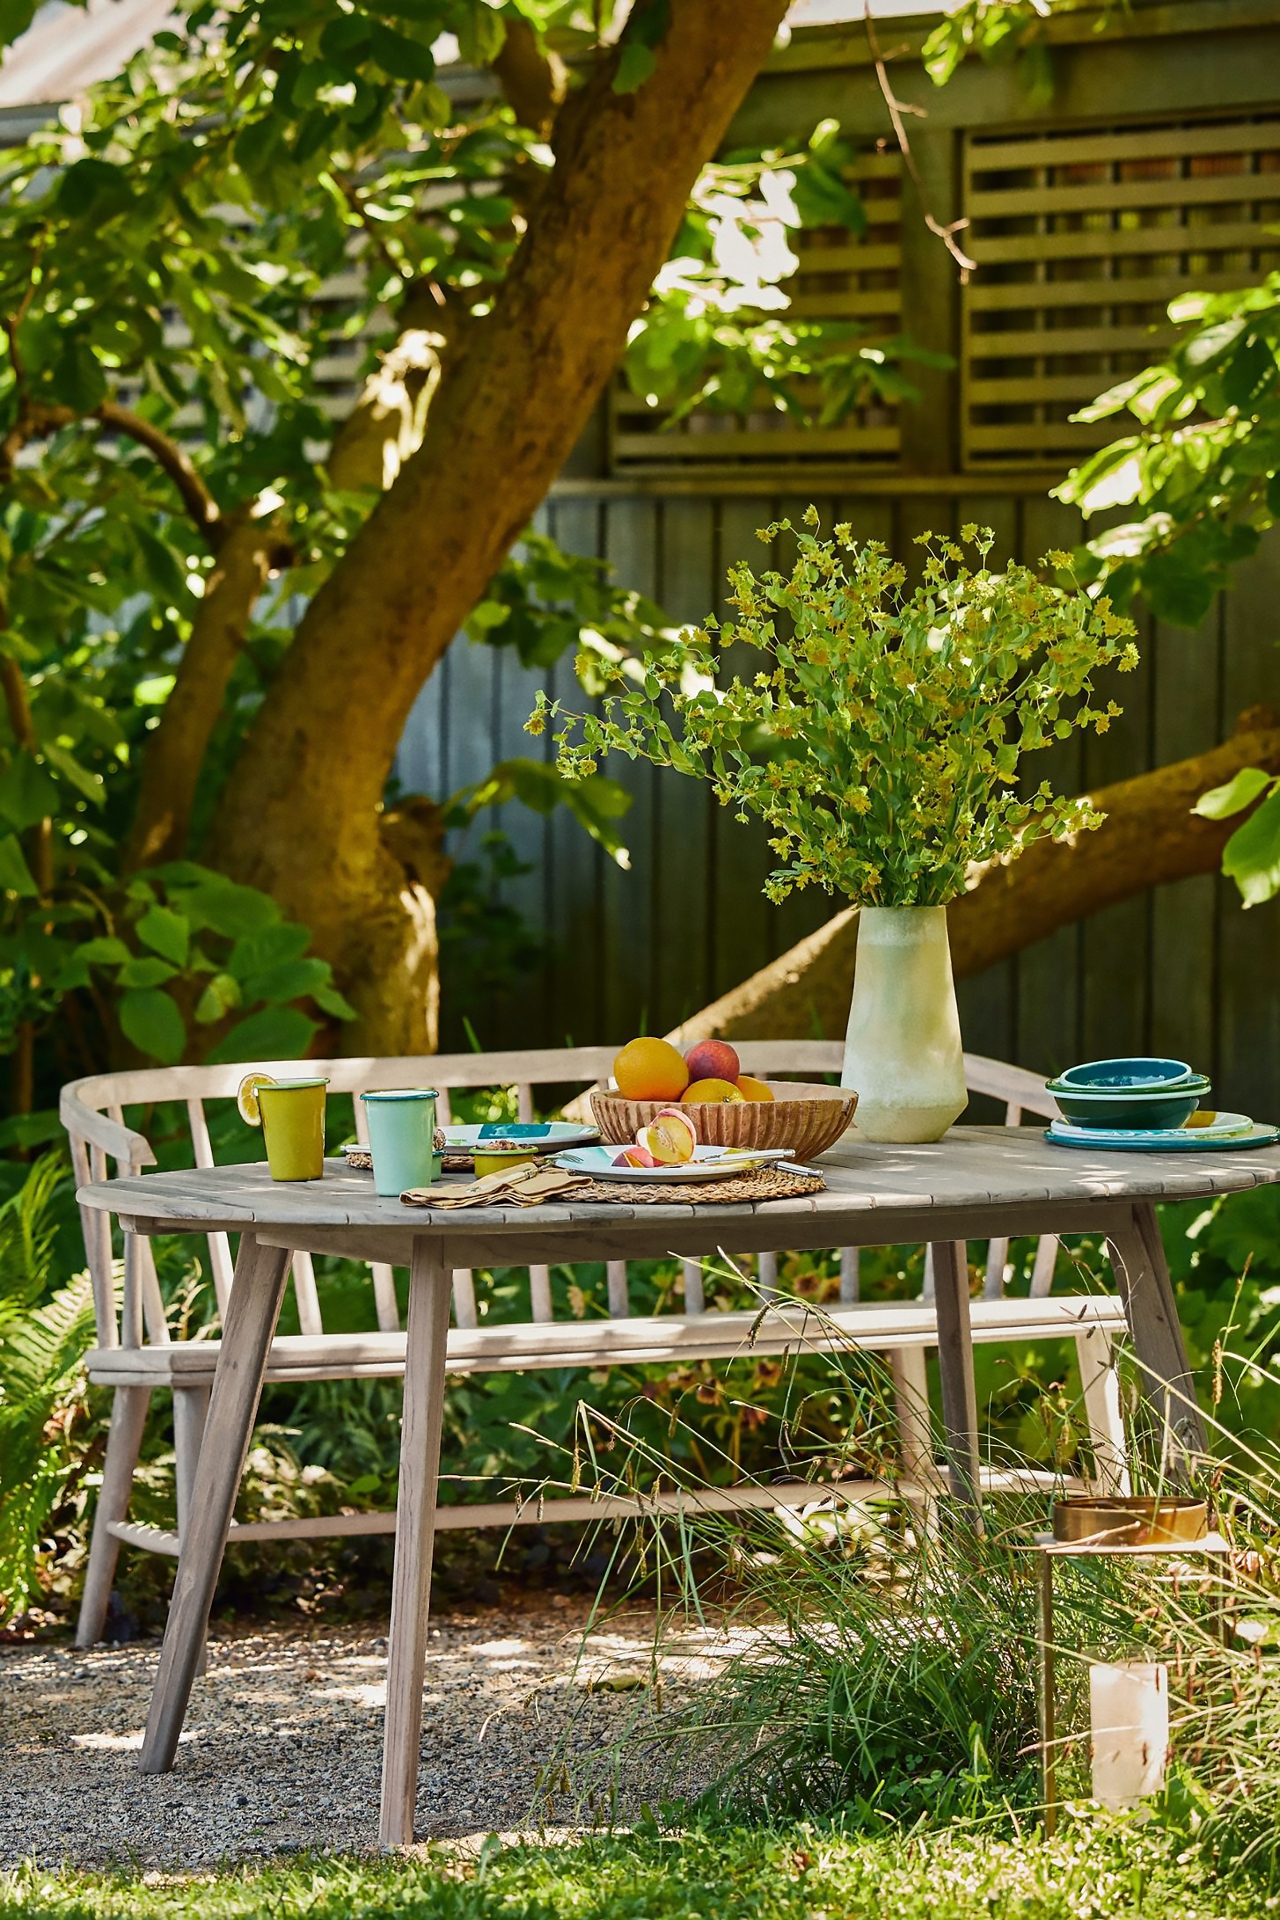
x=38 y=419
x=200 y=504
x=947 y=234
x=176 y=750
x=1149 y=838
x=533 y=81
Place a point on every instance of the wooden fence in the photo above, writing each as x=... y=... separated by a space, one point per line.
x=1156 y=167
x=1182 y=970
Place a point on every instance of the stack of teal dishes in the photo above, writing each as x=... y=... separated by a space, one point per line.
x=1143 y=1103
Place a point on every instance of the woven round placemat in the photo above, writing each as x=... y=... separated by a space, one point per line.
x=764 y=1183
x=450 y=1162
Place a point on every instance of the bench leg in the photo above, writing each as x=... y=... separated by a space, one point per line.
x=128 y=1418
x=190 y=1412
x=415 y=1539
x=955 y=1365
x=1101 y=1389
x=256 y=1293
x=1137 y=1258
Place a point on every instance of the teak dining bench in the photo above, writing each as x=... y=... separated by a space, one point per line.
x=136 y=1353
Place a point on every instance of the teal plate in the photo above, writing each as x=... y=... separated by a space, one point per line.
x=1168 y=1141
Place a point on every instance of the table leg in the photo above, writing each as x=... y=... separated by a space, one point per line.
x=237 y=1386
x=955 y=1366
x=1137 y=1256
x=429 y=1288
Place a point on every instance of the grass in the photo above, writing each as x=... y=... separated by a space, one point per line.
x=796 y=1872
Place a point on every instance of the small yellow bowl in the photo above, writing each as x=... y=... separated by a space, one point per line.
x=502 y=1162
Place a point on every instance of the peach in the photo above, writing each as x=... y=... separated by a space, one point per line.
x=712 y=1060
x=671 y=1138
x=634 y=1157
x=753 y=1089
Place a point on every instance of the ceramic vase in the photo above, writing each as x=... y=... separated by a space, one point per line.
x=902 y=1052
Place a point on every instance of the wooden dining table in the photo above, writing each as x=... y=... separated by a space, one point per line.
x=976 y=1183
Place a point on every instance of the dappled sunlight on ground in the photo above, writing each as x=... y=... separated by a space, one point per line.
x=282 y=1749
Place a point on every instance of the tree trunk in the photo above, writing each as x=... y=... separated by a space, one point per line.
x=1150 y=836
x=300 y=816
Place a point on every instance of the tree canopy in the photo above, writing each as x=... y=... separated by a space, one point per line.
x=297 y=323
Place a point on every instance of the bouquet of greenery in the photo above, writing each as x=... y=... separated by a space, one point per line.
x=880 y=737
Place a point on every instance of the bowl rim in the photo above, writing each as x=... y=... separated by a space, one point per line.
x=813 y=1090
x=1184 y=1090
x=1169 y=1080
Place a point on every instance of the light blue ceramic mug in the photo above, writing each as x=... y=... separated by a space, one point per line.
x=402 y=1130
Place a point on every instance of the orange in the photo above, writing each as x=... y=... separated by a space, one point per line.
x=650 y=1069
x=752 y=1089
x=719 y=1091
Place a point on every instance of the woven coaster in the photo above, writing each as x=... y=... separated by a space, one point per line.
x=764 y=1183
x=362 y=1162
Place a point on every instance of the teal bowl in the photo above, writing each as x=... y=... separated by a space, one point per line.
x=1138 y=1109
x=1140 y=1074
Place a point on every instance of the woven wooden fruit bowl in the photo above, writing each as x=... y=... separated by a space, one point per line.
x=806 y=1119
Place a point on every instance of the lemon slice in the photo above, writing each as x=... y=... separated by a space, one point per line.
x=247 y=1096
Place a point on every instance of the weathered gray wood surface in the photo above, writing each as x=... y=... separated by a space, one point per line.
x=648 y=1338
x=985 y=1170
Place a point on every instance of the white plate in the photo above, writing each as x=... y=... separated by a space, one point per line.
x=1164 y=1139
x=708 y=1163
x=1227 y=1126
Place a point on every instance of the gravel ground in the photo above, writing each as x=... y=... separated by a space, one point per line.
x=282 y=1747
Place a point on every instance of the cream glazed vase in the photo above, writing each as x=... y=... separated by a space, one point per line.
x=902 y=1052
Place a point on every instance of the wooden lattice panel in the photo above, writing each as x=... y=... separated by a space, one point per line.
x=839 y=278
x=1082 y=237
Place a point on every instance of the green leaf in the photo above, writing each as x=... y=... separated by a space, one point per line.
x=228 y=909
x=165 y=932
x=78 y=380
x=15 y=17
x=330 y=1001
x=1251 y=856
x=268 y=947
x=273 y=1033
x=636 y=63
x=15 y=874
x=220 y=997
x=30 y=1129
x=1221 y=802
x=288 y=980
x=481 y=33
x=146 y=971
x=1178 y=587
x=27 y=794
x=150 y=1019
x=104 y=951
x=89 y=784
x=823 y=200
x=398 y=55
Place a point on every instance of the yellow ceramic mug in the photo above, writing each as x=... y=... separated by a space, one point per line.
x=291 y=1115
